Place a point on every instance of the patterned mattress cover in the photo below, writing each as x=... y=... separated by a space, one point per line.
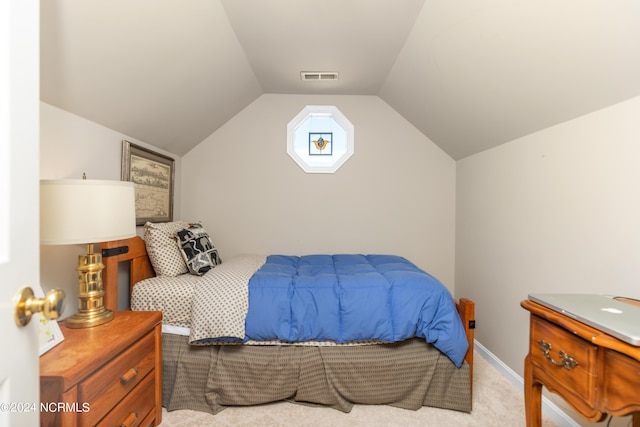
x=227 y=284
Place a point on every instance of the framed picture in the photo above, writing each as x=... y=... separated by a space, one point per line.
x=152 y=174
x=49 y=333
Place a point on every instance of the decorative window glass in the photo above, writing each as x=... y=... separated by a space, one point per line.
x=320 y=139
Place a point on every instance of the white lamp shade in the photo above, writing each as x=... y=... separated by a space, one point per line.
x=79 y=211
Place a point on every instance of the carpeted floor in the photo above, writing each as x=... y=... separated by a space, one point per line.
x=496 y=402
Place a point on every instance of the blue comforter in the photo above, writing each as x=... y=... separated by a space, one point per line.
x=345 y=298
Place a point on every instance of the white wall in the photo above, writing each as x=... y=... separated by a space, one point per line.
x=396 y=194
x=69 y=146
x=555 y=211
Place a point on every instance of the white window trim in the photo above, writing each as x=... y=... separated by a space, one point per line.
x=294 y=147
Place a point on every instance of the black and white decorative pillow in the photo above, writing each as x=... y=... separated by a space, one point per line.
x=197 y=249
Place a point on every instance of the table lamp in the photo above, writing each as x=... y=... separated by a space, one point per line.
x=82 y=211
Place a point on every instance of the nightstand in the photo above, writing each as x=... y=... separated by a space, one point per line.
x=106 y=375
x=591 y=370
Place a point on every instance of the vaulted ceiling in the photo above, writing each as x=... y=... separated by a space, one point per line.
x=468 y=74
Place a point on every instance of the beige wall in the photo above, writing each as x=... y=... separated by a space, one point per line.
x=396 y=194
x=556 y=211
x=69 y=146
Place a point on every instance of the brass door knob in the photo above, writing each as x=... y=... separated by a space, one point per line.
x=50 y=306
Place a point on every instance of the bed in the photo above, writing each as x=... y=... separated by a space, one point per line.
x=211 y=373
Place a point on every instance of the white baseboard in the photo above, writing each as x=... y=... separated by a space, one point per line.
x=549 y=408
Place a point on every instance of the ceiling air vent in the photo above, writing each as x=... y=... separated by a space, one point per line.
x=315 y=76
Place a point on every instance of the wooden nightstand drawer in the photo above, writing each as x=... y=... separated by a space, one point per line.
x=82 y=375
x=134 y=407
x=104 y=389
x=568 y=360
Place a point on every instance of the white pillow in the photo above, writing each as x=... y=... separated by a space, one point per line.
x=162 y=247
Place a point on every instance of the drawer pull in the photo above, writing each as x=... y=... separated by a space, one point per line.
x=129 y=376
x=568 y=362
x=130 y=421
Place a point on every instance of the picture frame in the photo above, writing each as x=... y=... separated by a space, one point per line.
x=49 y=332
x=153 y=176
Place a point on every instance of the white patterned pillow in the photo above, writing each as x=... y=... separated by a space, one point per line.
x=162 y=248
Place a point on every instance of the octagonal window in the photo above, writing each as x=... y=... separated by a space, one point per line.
x=320 y=139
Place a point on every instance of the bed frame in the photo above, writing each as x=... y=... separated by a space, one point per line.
x=133 y=250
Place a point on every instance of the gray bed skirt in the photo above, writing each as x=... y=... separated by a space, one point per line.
x=408 y=375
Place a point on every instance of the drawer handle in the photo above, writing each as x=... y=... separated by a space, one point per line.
x=568 y=362
x=129 y=376
x=130 y=421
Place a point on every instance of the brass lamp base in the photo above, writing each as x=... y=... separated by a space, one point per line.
x=88 y=320
x=91 y=310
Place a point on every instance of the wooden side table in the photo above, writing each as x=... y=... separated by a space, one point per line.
x=106 y=375
x=592 y=371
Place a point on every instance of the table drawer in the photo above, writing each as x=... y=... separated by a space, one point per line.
x=621 y=383
x=134 y=407
x=568 y=360
x=103 y=390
